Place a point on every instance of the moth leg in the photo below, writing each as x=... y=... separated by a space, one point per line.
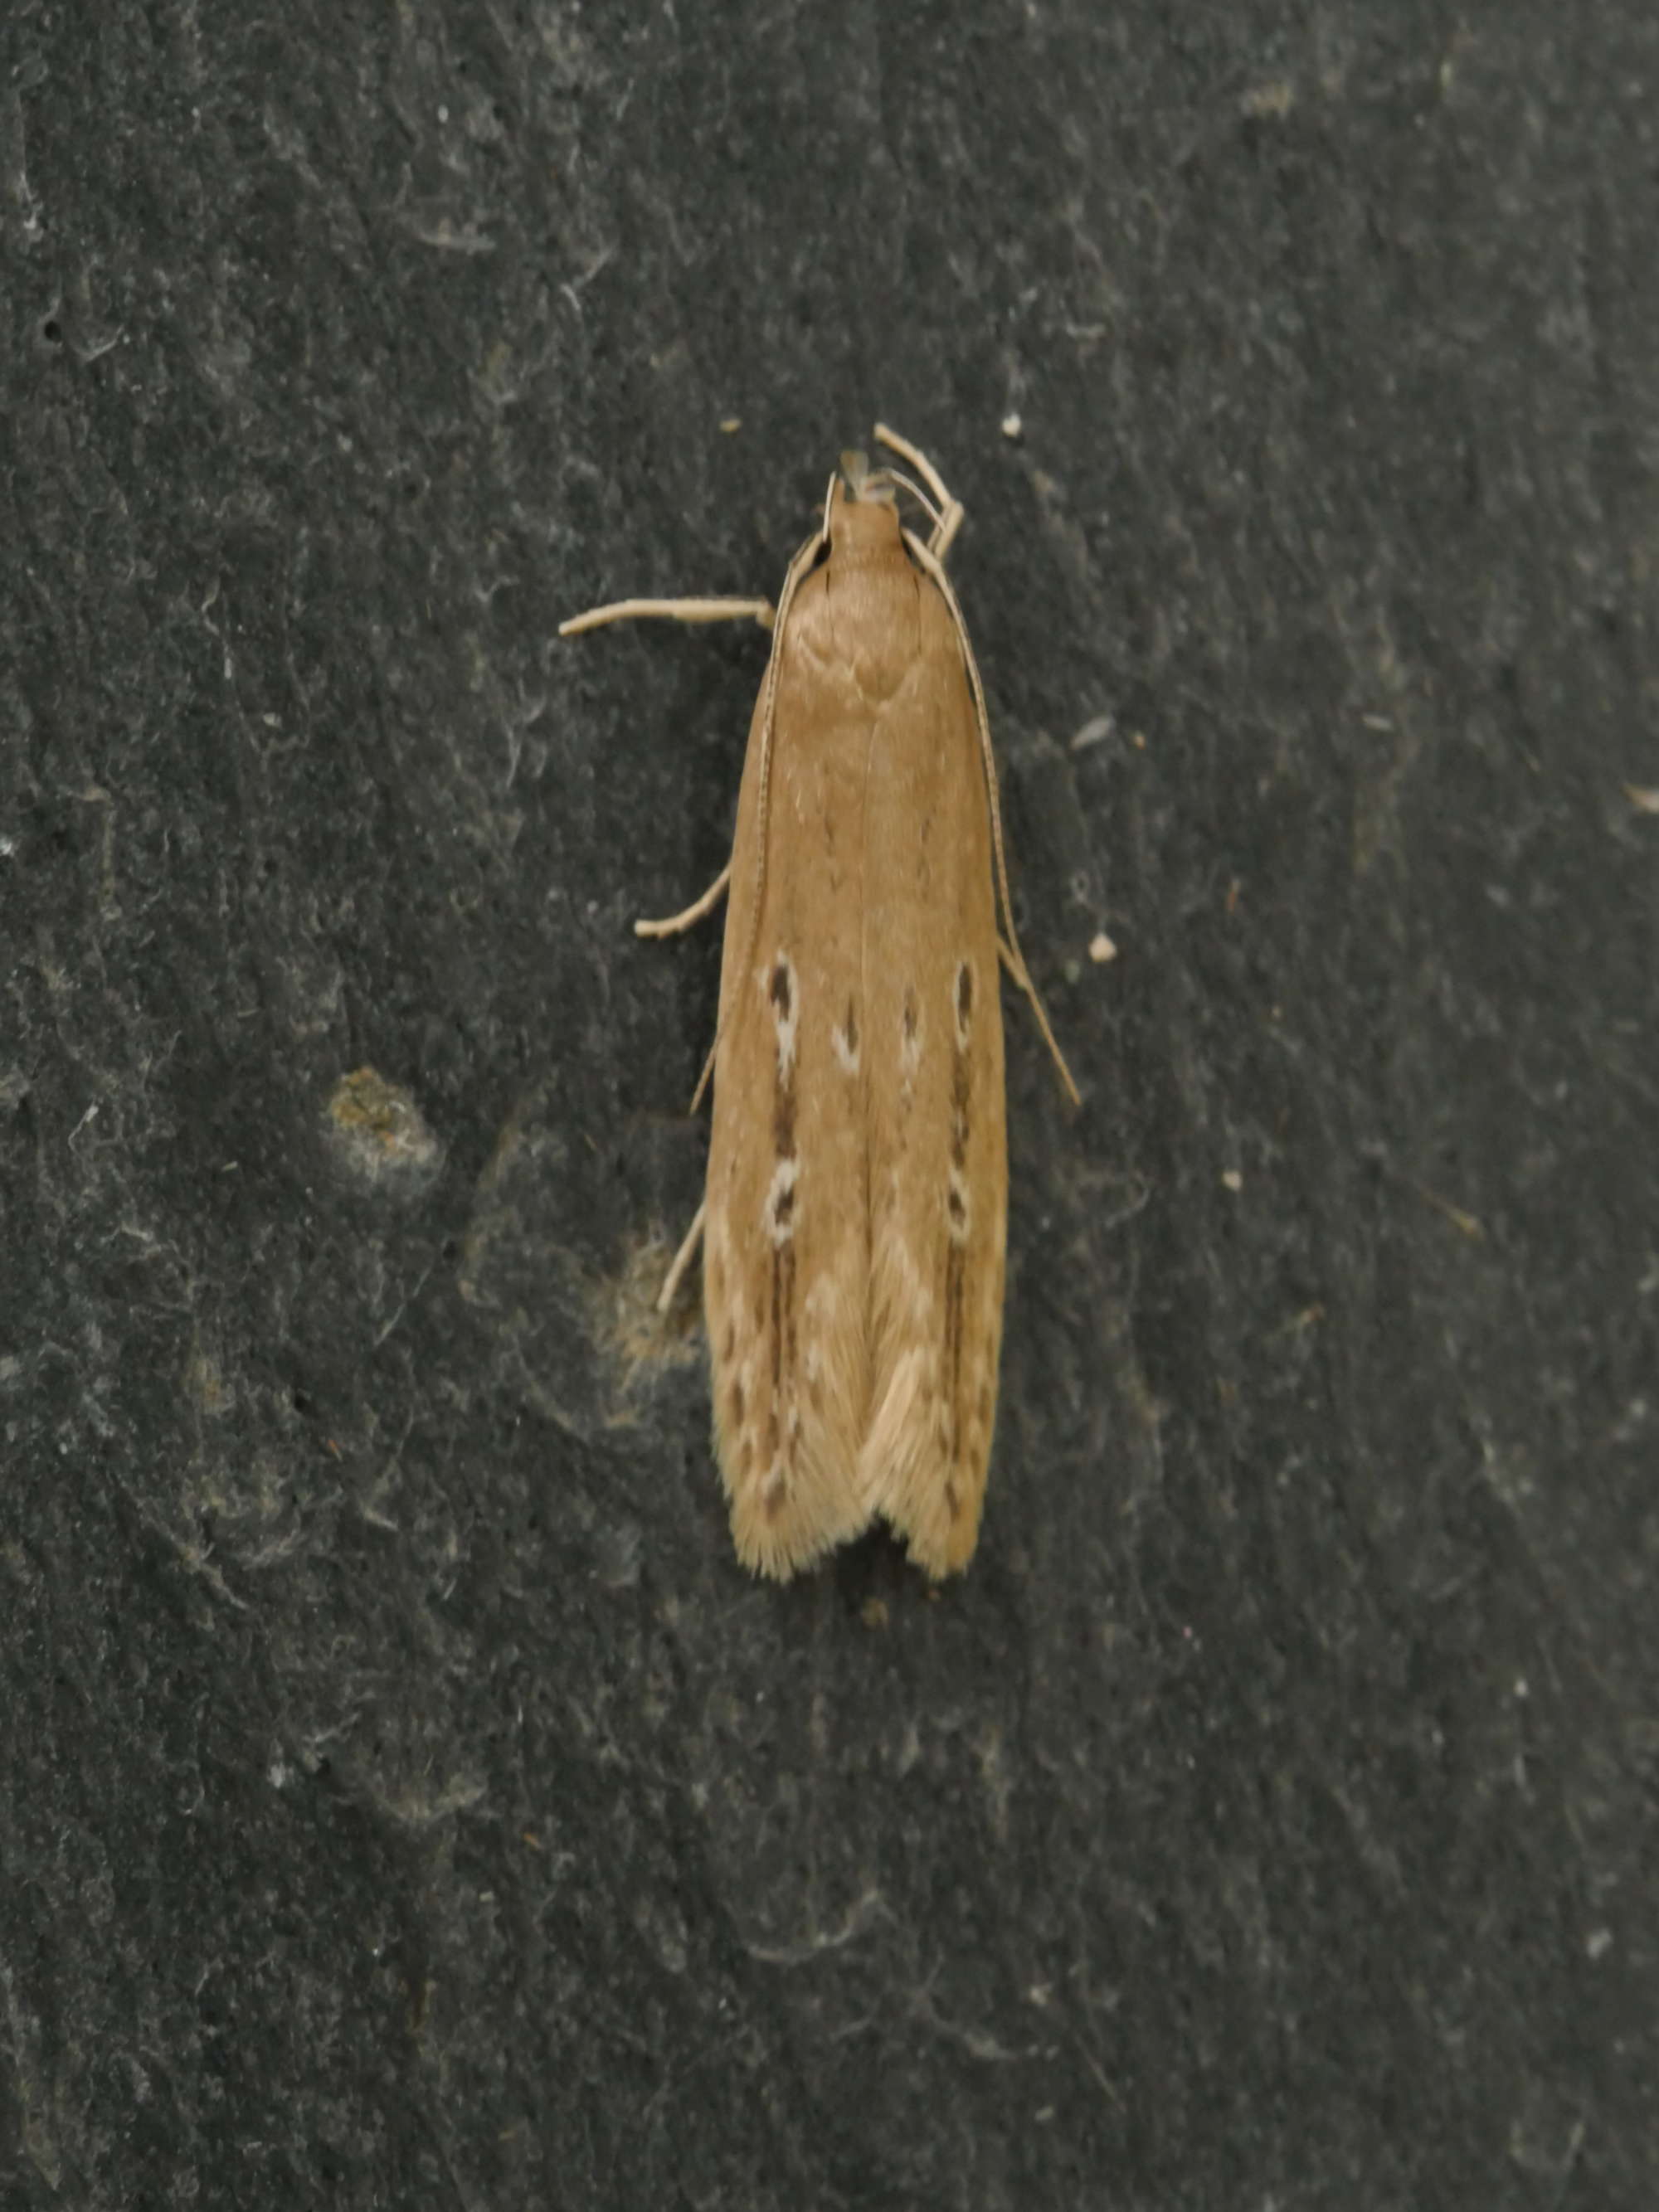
x=948 y=520
x=683 y=1260
x=686 y=611
x=1021 y=975
x=677 y=923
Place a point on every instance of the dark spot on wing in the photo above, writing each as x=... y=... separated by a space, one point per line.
x=783 y=1121
x=781 y=993
x=961 y=1089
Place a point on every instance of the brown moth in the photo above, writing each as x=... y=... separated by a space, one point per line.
x=855 y=1220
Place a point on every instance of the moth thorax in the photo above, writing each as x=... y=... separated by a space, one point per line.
x=863 y=522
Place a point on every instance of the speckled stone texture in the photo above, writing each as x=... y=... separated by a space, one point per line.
x=405 y=1799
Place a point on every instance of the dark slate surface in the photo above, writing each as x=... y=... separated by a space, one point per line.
x=407 y=1801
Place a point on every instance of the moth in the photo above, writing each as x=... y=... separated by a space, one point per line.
x=854 y=1224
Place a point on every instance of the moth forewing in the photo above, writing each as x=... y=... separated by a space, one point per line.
x=939 y=1175
x=785 y=1257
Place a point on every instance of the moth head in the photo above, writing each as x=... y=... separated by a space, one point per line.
x=868 y=491
x=861 y=514
x=864 y=482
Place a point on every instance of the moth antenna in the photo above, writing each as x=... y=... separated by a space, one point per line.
x=707 y=1070
x=921 y=499
x=1011 y=953
x=918 y=460
x=950 y=511
x=1020 y=977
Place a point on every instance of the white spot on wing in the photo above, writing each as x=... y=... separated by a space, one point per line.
x=778 y=1212
x=902 y=1283
x=783 y=996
